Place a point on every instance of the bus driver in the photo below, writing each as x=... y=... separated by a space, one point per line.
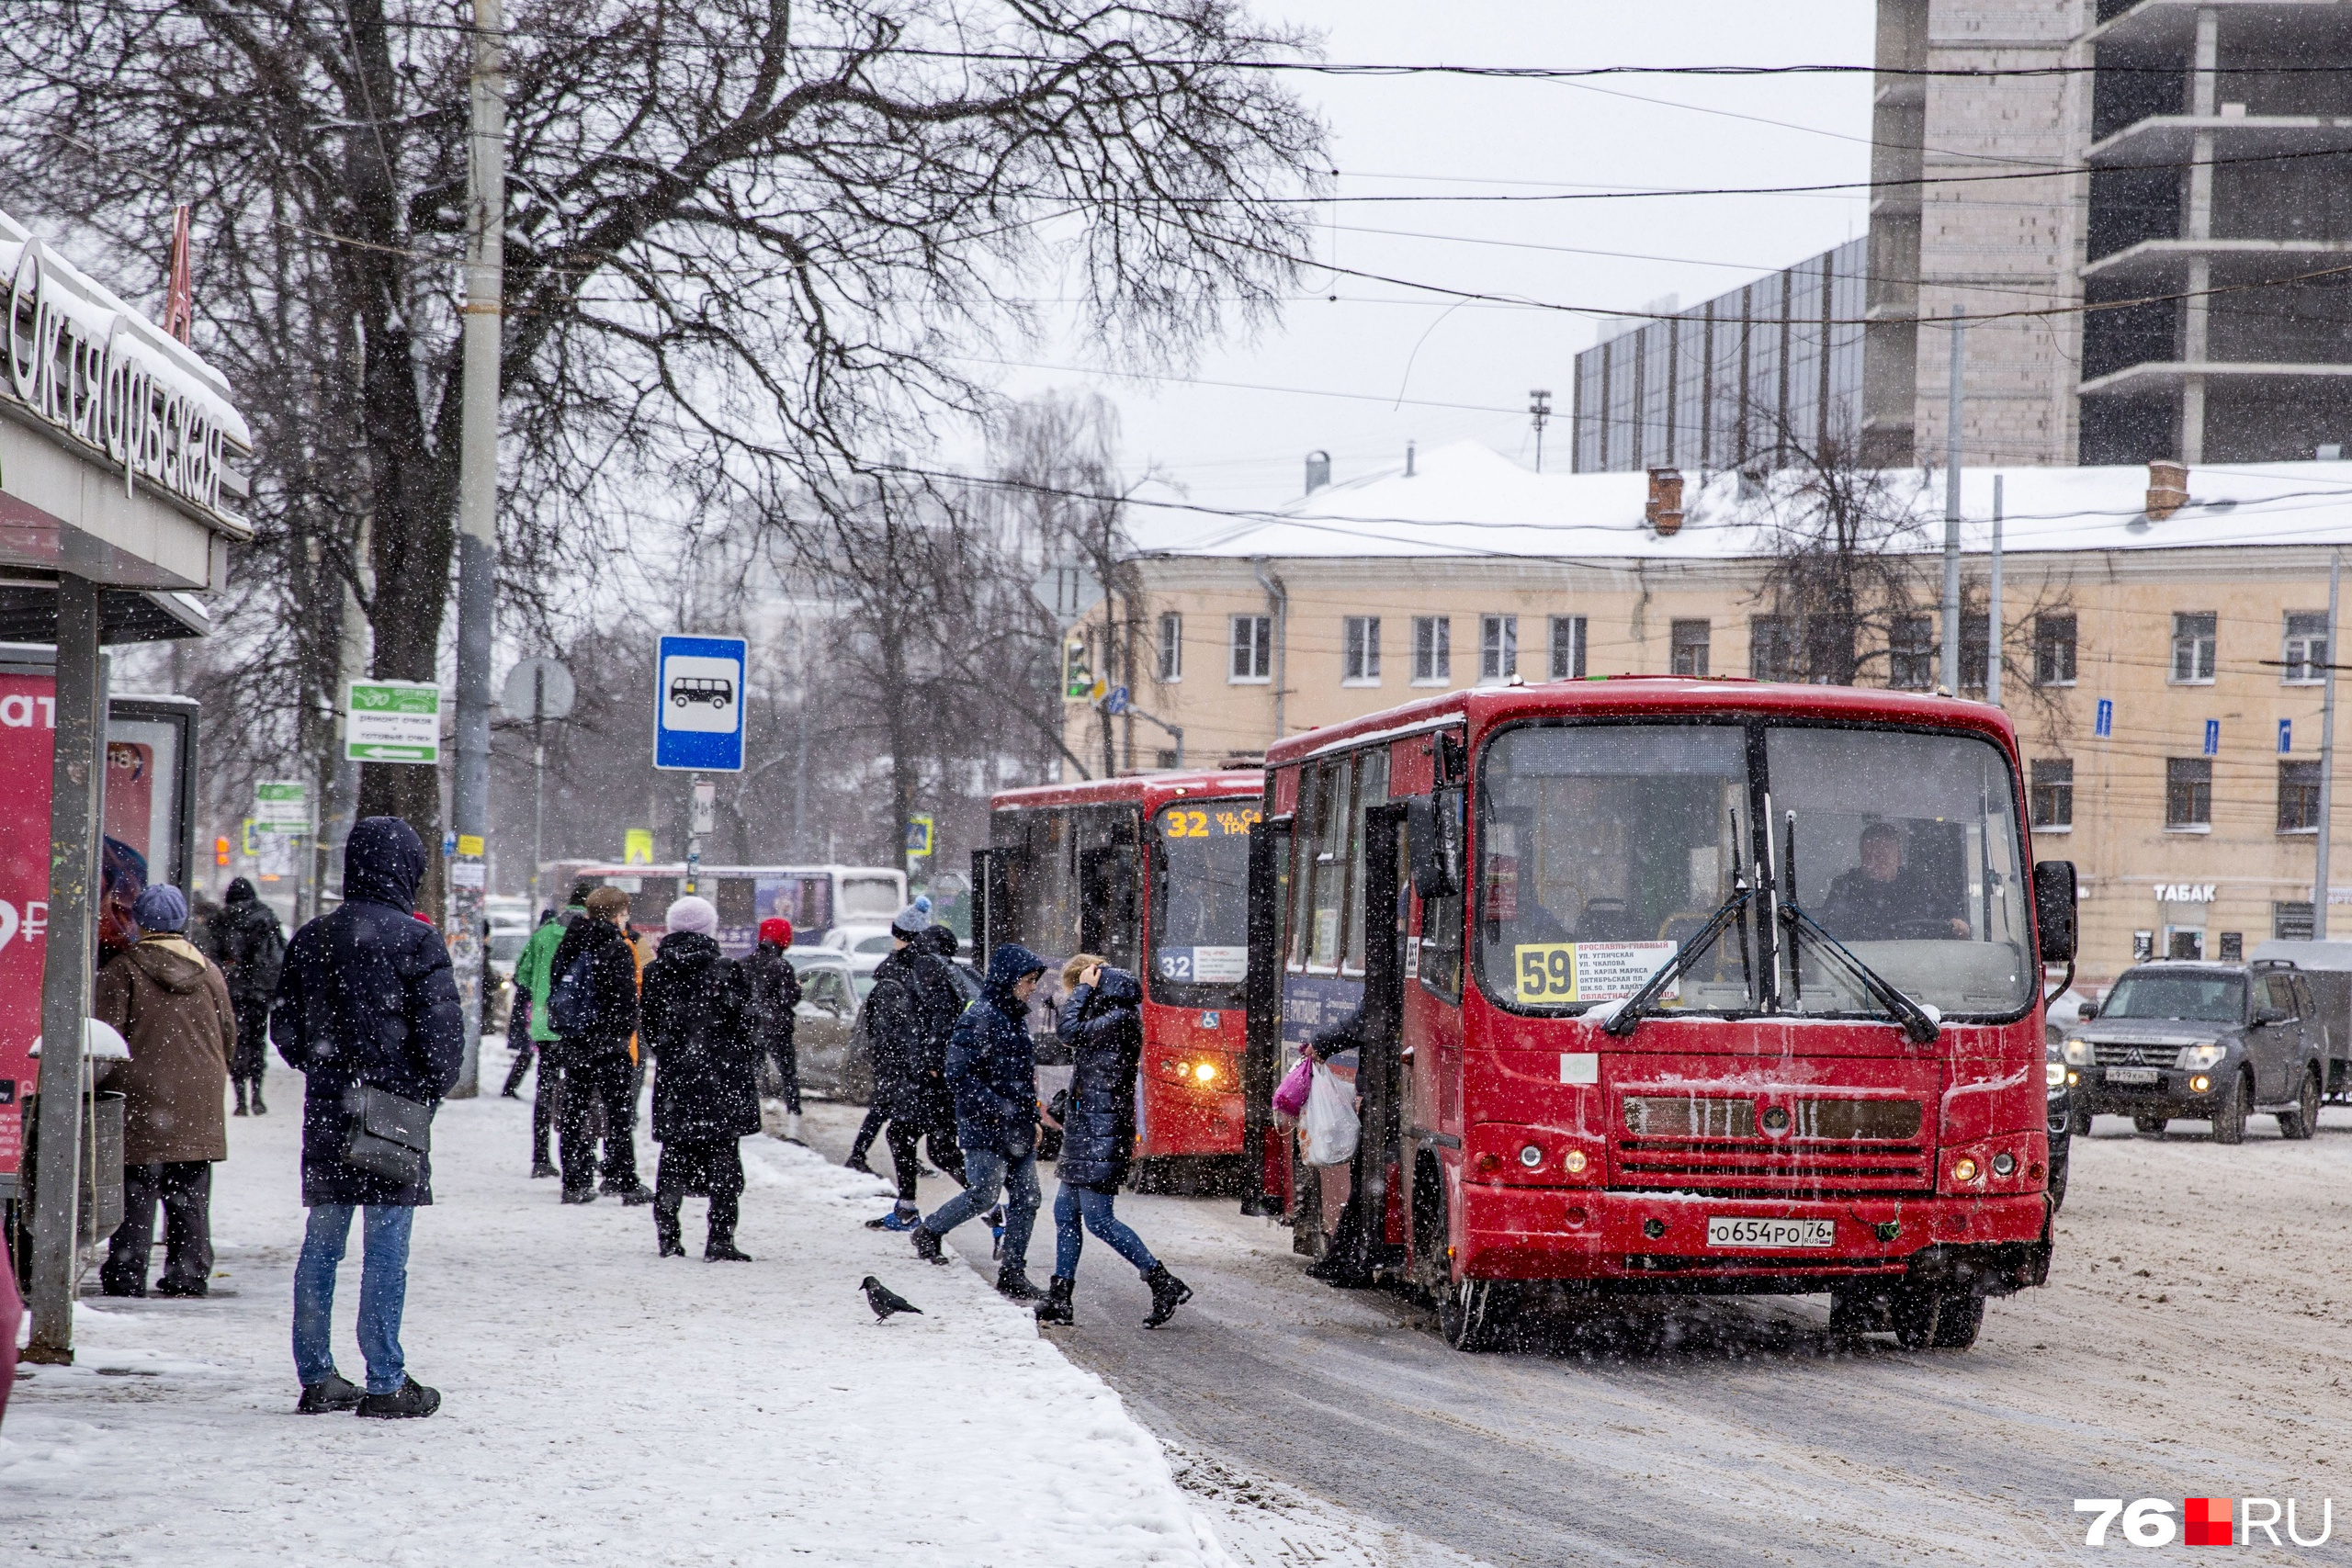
x=1874 y=901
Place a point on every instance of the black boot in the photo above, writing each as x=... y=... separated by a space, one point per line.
x=411 y=1399
x=542 y=1165
x=665 y=1231
x=1056 y=1307
x=722 y=1248
x=240 y=1098
x=259 y=1108
x=1168 y=1294
x=333 y=1392
x=926 y=1244
x=1013 y=1282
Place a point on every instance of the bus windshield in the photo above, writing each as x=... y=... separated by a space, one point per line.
x=1199 y=904
x=1604 y=847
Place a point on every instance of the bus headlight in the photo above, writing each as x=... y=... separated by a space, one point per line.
x=1963 y=1169
x=1532 y=1155
x=1205 y=1072
x=2003 y=1163
x=1574 y=1162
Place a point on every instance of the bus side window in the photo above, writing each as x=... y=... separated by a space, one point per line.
x=1327 y=901
x=1441 y=949
x=1371 y=789
x=1303 y=839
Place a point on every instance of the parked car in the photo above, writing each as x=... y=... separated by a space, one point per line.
x=2189 y=1038
x=2327 y=968
x=834 y=1062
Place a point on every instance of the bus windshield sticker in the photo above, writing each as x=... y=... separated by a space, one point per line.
x=1220 y=965
x=1556 y=972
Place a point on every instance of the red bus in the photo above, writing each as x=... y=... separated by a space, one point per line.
x=1152 y=873
x=1669 y=985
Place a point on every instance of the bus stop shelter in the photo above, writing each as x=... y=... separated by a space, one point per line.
x=119 y=497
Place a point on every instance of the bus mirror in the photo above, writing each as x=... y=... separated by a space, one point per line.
x=2053 y=909
x=1434 y=839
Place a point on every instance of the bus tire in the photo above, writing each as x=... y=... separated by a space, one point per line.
x=1471 y=1314
x=1929 y=1319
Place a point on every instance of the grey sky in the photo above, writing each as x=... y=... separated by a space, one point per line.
x=1427 y=136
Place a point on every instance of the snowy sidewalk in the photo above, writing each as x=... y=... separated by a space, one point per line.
x=601 y=1405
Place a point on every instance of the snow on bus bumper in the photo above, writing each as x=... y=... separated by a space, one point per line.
x=1662 y=1240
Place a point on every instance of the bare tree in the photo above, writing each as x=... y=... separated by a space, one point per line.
x=745 y=240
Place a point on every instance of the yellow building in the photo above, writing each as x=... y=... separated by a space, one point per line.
x=2165 y=670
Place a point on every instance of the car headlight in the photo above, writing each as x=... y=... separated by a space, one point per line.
x=2196 y=1058
x=2081 y=1053
x=2053 y=1074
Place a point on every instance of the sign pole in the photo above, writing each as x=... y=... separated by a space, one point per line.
x=539 y=783
x=2326 y=758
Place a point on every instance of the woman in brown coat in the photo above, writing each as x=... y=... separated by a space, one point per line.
x=171 y=1005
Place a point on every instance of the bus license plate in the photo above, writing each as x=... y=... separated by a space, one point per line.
x=2131 y=1075
x=1726 y=1231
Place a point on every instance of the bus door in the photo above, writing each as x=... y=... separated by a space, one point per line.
x=992 y=919
x=1380 y=1078
x=1266 y=1178
x=1108 y=904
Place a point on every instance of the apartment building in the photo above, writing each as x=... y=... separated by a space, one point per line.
x=2143 y=209
x=2164 y=668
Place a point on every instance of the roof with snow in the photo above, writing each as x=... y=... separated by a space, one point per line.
x=1467 y=500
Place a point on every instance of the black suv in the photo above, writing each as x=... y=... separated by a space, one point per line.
x=2179 y=1038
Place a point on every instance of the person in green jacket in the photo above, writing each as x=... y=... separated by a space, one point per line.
x=533 y=982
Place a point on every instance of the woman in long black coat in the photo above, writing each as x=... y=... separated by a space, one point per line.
x=1101 y=1021
x=696 y=1017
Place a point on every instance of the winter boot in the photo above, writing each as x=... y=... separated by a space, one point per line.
x=1056 y=1308
x=792 y=1128
x=1168 y=1294
x=721 y=1249
x=259 y=1108
x=665 y=1231
x=857 y=1163
x=333 y=1392
x=544 y=1166
x=240 y=1098
x=411 y=1399
x=579 y=1194
x=1013 y=1282
x=635 y=1197
x=927 y=1243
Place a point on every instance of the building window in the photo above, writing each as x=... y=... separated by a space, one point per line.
x=1567 y=648
x=1360 y=658
x=1772 y=647
x=2305 y=661
x=1166 y=760
x=2299 y=797
x=2054 y=651
x=1171 y=646
x=1911 y=653
x=2233 y=947
x=2188 y=792
x=1975 y=652
x=1690 y=648
x=2054 y=791
x=2290 y=921
x=1497 y=646
x=2192 y=646
x=1432 y=650
x=1253 y=648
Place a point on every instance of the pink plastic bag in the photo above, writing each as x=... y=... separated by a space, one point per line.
x=1290 y=1097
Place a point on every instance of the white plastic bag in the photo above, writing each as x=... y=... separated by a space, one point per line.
x=1329 y=1122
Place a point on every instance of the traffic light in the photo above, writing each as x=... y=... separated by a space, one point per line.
x=1077 y=680
x=221 y=851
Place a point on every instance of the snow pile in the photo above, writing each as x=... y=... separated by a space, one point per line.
x=602 y=1406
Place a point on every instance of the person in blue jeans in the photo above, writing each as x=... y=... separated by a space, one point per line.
x=993 y=1073
x=365 y=998
x=1102 y=1022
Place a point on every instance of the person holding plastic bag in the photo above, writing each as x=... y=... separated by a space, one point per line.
x=1330 y=1130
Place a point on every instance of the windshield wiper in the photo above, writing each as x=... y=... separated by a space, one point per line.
x=1631 y=1011
x=1919 y=1026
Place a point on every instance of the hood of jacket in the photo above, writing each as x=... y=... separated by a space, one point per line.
x=689 y=947
x=240 y=892
x=1006 y=965
x=169 y=961
x=382 y=863
x=1119 y=985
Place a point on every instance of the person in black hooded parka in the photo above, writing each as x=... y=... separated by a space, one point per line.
x=365 y=998
x=599 y=1063
x=697 y=1017
x=245 y=939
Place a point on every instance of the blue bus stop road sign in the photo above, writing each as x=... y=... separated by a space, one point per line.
x=698 y=704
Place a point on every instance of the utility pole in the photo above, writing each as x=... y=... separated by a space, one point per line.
x=1951 y=514
x=2326 y=758
x=539 y=785
x=1541 y=408
x=800 y=747
x=1993 y=608
x=478 y=513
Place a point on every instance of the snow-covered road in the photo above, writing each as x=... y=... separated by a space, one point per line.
x=602 y=1406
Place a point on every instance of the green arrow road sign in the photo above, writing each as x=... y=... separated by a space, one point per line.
x=392 y=721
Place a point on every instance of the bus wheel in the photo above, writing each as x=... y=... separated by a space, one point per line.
x=1471 y=1314
x=1937 y=1320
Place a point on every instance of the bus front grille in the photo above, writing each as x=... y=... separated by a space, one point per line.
x=1743 y=1168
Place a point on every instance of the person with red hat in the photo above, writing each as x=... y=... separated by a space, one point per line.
x=775 y=992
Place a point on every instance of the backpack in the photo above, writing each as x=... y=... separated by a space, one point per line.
x=572 y=1008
